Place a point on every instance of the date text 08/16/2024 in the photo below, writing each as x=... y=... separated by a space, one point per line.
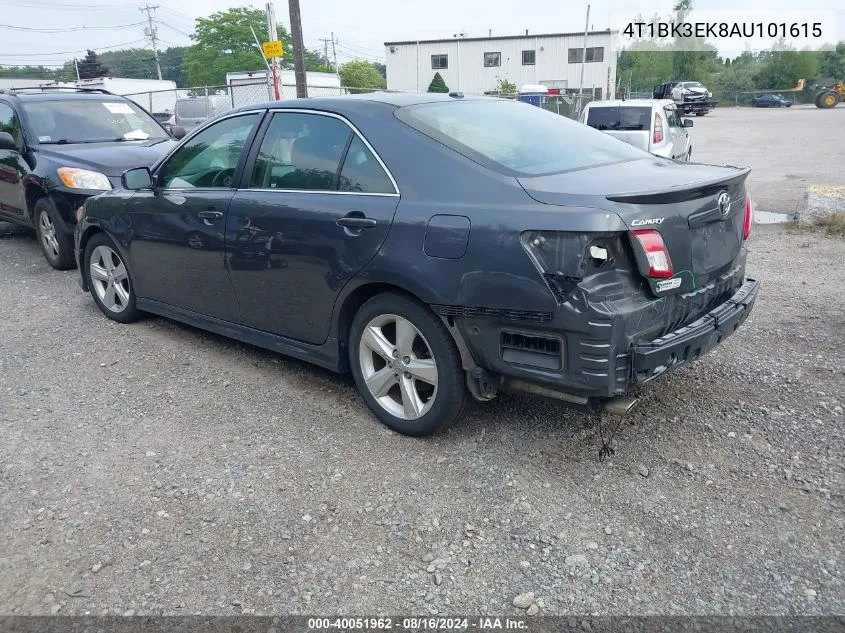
x=415 y=624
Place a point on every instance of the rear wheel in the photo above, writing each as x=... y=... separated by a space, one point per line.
x=56 y=245
x=109 y=280
x=827 y=99
x=406 y=366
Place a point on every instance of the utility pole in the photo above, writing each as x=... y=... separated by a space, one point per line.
x=76 y=65
x=275 y=72
x=334 y=51
x=325 y=42
x=152 y=33
x=298 y=49
x=583 y=63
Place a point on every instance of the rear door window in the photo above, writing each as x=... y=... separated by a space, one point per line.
x=362 y=172
x=300 y=151
x=619 y=118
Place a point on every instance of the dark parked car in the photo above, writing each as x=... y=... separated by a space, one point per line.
x=770 y=101
x=430 y=244
x=58 y=147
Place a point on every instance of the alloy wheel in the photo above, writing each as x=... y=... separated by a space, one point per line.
x=109 y=278
x=48 y=235
x=398 y=366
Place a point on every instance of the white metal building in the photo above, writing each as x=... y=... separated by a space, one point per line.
x=474 y=64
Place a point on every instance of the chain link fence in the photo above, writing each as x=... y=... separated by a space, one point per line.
x=208 y=101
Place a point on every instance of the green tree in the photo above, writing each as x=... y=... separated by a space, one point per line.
x=173 y=65
x=90 y=67
x=28 y=72
x=135 y=63
x=381 y=68
x=505 y=87
x=832 y=63
x=224 y=43
x=783 y=66
x=361 y=74
x=316 y=62
x=437 y=84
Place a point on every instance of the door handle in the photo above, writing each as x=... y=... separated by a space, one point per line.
x=356 y=222
x=210 y=215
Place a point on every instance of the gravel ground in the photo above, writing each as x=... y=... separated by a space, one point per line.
x=154 y=468
x=788 y=150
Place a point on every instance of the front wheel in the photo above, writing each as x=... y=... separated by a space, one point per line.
x=109 y=280
x=406 y=365
x=56 y=245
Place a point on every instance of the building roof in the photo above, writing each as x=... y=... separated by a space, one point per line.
x=502 y=37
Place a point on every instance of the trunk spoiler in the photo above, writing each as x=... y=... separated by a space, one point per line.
x=692 y=191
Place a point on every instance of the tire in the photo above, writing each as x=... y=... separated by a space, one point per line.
x=56 y=245
x=828 y=99
x=109 y=280
x=419 y=403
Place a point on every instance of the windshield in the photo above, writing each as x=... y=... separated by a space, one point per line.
x=516 y=138
x=619 y=118
x=90 y=121
x=193 y=109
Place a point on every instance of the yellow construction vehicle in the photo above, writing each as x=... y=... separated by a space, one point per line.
x=829 y=97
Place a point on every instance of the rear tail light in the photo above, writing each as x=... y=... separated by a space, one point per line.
x=749 y=217
x=658 y=129
x=659 y=263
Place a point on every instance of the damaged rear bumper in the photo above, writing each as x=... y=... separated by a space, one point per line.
x=653 y=358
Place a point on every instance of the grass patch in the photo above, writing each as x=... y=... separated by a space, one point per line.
x=832 y=223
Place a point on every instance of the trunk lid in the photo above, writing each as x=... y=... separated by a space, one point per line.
x=679 y=200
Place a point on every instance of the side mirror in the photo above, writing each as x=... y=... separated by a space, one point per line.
x=135 y=179
x=177 y=131
x=7 y=142
x=687 y=122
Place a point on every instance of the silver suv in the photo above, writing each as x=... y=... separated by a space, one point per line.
x=653 y=125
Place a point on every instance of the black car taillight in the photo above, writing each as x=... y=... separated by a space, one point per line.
x=656 y=253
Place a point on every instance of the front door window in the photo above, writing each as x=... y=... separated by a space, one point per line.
x=209 y=159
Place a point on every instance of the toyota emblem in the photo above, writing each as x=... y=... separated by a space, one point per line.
x=724 y=204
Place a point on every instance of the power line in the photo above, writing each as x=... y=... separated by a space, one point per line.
x=83 y=50
x=172 y=28
x=28 y=29
x=61 y=6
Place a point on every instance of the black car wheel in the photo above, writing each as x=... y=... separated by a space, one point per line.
x=109 y=280
x=56 y=245
x=406 y=365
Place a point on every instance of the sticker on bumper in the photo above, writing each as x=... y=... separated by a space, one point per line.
x=668 y=284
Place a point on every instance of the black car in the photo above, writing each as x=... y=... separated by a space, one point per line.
x=432 y=244
x=58 y=147
x=771 y=101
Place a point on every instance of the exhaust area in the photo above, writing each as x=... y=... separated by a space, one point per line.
x=619 y=406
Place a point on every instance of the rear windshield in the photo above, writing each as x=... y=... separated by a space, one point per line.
x=194 y=109
x=619 y=118
x=90 y=121
x=516 y=138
